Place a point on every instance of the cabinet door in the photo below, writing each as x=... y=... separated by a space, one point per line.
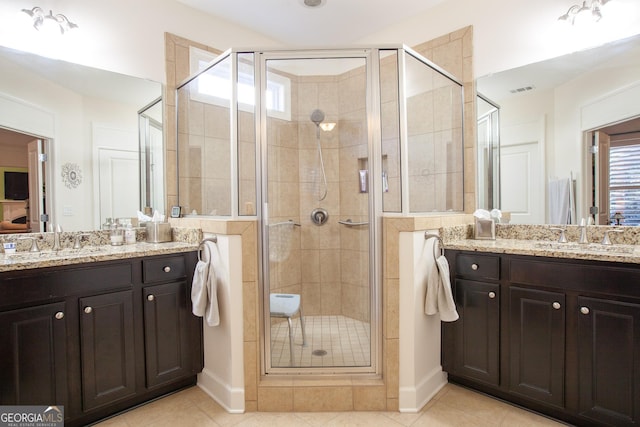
x=166 y=333
x=536 y=344
x=107 y=348
x=477 y=332
x=609 y=361
x=33 y=356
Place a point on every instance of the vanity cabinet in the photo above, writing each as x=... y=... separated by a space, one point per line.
x=33 y=355
x=567 y=342
x=476 y=334
x=100 y=337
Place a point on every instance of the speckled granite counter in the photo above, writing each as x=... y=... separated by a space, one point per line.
x=95 y=247
x=591 y=251
x=48 y=258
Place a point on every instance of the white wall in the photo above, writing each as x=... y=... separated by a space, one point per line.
x=71 y=121
x=421 y=375
x=223 y=374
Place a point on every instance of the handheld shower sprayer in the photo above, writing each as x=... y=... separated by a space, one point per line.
x=317 y=117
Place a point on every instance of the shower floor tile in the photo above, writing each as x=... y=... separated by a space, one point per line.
x=346 y=341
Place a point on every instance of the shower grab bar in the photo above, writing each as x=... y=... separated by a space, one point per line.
x=350 y=223
x=213 y=239
x=428 y=236
x=291 y=222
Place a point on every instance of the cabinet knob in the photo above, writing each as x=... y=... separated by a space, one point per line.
x=88 y=310
x=584 y=310
x=166 y=269
x=556 y=305
x=474 y=266
x=150 y=297
x=59 y=315
x=492 y=295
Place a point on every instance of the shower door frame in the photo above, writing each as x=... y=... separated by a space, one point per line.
x=371 y=61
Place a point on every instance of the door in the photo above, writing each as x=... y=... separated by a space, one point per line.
x=36 y=163
x=609 y=361
x=536 y=344
x=521 y=184
x=118 y=184
x=316 y=215
x=107 y=348
x=33 y=356
x=477 y=332
x=166 y=333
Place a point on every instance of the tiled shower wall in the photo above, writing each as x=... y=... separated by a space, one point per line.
x=327 y=265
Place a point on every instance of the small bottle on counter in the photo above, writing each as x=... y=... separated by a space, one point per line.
x=129 y=233
x=116 y=235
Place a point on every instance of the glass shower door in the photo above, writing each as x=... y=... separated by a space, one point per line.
x=316 y=253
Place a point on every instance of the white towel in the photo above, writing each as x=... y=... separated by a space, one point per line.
x=439 y=298
x=204 y=295
x=560 y=201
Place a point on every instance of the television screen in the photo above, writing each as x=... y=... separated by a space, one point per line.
x=16 y=185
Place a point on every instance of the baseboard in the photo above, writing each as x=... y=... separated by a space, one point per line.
x=413 y=399
x=232 y=400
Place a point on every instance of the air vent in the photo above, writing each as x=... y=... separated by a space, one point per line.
x=522 y=89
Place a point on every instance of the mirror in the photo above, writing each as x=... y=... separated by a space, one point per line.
x=548 y=111
x=88 y=123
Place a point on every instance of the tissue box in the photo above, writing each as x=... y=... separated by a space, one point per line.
x=158 y=232
x=485 y=229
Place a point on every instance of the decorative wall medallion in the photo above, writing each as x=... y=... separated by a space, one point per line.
x=71 y=175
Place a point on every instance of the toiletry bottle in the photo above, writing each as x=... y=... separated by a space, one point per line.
x=129 y=233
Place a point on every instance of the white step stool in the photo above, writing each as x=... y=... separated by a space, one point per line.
x=287 y=306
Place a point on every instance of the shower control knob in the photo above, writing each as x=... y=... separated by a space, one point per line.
x=319 y=216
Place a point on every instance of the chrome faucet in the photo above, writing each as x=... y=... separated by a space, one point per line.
x=56 y=237
x=583 y=232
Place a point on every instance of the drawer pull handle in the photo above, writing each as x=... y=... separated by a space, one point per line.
x=88 y=310
x=474 y=266
x=166 y=269
x=584 y=310
x=492 y=295
x=150 y=297
x=556 y=305
x=59 y=315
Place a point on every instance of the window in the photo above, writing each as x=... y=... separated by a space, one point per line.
x=624 y=181
x=213 y=86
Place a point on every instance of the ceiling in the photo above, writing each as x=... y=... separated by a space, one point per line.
x=333 y=22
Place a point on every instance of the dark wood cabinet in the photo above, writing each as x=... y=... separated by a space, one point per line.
x=536 y=344
x=566 y=341
x=98 y=338
x=167 y=352
x=609 y=361
x=107 y=348
x=477 y=332
x=33 y=355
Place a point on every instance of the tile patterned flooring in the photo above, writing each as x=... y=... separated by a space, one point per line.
x=345 y=340
x=453 y=406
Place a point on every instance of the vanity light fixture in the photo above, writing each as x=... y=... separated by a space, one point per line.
x=41 y=20
x=579 y=11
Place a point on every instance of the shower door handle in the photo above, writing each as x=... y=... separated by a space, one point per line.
x=350 y=223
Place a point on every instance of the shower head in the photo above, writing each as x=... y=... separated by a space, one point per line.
x=317 y=116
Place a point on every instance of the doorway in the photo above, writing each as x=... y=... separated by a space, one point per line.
x=24 y=153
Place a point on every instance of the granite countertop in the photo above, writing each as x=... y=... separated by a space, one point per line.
x=591 y=251
x=47 y=258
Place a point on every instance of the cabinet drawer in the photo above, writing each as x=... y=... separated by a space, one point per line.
x=478 y=266
x=163 y=269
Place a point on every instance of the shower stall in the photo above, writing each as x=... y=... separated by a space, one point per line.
x=318 y=146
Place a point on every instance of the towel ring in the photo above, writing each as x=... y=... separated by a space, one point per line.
x=428 y=236
x=213 y=239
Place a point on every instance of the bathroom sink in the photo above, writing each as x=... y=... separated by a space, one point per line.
x=589 y=247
